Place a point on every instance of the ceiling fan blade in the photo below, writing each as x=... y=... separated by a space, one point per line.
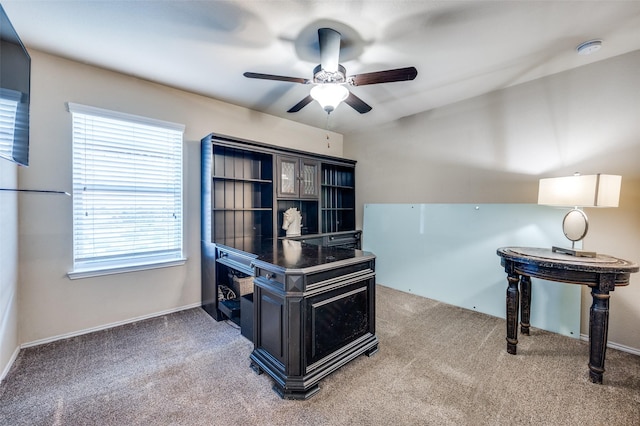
x=277 y=77
x=303 y=103
x=356 y=103
x=388 y=76
x=329 y=41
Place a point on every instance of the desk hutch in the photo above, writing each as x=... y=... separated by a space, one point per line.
x=309 y=306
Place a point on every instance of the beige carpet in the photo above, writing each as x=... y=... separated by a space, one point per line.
x=437 y=365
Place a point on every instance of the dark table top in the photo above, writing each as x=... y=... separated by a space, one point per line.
x=289 y=254
x=545 y=257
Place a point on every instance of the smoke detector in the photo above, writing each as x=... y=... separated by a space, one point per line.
x=589 y=47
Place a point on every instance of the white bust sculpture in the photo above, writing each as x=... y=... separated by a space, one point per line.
x=292 y=222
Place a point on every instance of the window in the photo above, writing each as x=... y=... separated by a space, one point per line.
x=8 y=112
x=127 y=192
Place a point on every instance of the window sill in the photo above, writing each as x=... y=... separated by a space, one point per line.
x=97 y=272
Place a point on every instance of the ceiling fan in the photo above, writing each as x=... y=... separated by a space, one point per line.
x=330 y=78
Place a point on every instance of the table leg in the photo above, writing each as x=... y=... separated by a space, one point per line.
x=598 y=329
x=512 y=312
x=525 y=303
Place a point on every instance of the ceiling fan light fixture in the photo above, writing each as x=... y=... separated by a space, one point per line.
x=321 y=76
x=330 y=78
x=329 y=95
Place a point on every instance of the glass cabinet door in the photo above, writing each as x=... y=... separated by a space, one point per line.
x=309 y=187
x=298 y=178
x=287 y=174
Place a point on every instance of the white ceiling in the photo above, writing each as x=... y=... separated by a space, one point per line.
x=461 y=49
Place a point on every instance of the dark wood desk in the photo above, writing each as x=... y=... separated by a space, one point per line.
x=313 y=308
x=602 y=273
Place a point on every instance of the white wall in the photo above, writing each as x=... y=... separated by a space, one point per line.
x=494 y=148
x=8 y=264
x=51 y=305
x=617 y=232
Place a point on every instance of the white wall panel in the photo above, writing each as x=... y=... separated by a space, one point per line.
x=447 y=252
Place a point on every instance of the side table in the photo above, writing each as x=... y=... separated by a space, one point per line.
x=602 y=273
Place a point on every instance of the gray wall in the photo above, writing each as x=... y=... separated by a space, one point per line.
x=494 y=148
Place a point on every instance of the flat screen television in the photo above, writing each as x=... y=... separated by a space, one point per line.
x=15 y=85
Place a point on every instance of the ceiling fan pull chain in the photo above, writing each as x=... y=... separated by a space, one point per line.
x=326 y=126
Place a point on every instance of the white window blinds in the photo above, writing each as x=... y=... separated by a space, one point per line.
x=127 y=190
x=8 y=111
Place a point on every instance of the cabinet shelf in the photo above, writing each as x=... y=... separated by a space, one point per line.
x=235 y=179
x=240 y=209
x=308 y=209
x=240 y=192
x=338 y=198
x=326 y=185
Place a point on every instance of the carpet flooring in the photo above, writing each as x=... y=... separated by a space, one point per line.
x=437 y=365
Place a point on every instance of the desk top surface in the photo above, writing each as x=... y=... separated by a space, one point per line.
x=545 y=257
x=288 y=254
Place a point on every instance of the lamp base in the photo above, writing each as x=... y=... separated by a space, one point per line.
x=573 y=252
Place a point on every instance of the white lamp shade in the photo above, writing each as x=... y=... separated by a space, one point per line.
x=580 y=191
x=329 y=95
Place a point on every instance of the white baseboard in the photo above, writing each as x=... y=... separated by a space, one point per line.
x=107 y=326
x=10 y=364
x=614 y=345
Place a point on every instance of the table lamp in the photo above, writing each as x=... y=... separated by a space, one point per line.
x=579 y=191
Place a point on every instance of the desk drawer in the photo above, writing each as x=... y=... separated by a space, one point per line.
x=346 y=240
x=273 y=279
x=235 y=260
